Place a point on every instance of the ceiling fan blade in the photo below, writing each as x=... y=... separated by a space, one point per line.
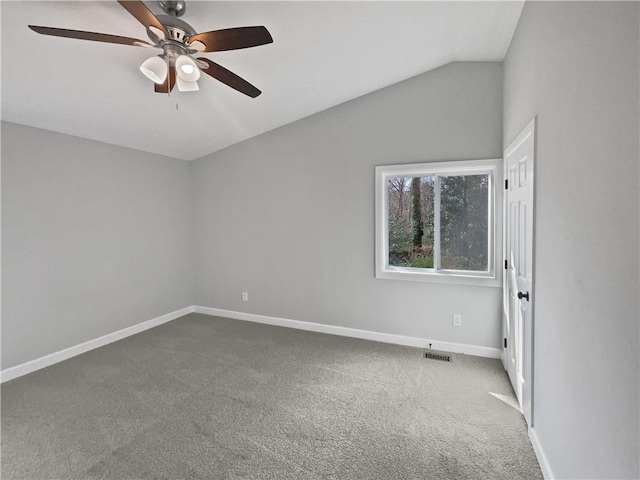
x=229 y=78
x=169 y=83
x=96 y=37
x=140 y=11
x=231 y=39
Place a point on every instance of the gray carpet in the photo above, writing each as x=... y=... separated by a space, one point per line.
x=212 y=398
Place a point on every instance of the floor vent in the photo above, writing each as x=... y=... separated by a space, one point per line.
x=437 y=356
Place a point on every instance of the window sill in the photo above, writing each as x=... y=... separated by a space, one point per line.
x=478 y=280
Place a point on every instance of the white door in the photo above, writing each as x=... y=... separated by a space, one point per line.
x=518 y=279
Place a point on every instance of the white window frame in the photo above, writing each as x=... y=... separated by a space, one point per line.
x=491 y=278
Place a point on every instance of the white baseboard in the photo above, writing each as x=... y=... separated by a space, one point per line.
x=353 y=332
x=42 y=362
x=542 y=458
x=53 y=358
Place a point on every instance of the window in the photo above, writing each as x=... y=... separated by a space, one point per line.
x=437 y=222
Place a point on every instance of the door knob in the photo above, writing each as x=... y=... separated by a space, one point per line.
x=523 y=295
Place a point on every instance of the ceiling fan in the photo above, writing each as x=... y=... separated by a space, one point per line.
x=179 y=42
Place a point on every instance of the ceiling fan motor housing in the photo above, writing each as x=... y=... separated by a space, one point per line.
x=178 y=31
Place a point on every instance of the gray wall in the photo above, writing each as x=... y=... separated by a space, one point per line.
x=289 y=216
x=575 y=66
x=95 y=238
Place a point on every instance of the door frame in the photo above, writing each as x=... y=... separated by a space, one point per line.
x=528 y=373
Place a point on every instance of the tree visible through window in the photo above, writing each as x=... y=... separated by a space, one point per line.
x=411 y=221
x=437 y=217
x=464 y=222
x=463 y=218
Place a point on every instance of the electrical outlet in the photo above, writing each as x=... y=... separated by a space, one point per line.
x=457 y=320
x=245 y=296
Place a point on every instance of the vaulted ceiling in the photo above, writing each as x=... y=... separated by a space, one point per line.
x=323 y=54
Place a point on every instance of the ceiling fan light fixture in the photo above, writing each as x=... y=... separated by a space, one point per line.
x=155 y=69
x=187 y=69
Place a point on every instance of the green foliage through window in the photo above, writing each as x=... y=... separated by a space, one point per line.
x=463 y=216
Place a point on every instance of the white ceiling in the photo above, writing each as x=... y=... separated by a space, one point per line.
x=324 y=53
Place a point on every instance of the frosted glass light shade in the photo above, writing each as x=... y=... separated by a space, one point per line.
x=187 y=69
x=186 y=86
x=155 y=69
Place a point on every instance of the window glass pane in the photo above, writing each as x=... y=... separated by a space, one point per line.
x=411 y=221
x=464 y=221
